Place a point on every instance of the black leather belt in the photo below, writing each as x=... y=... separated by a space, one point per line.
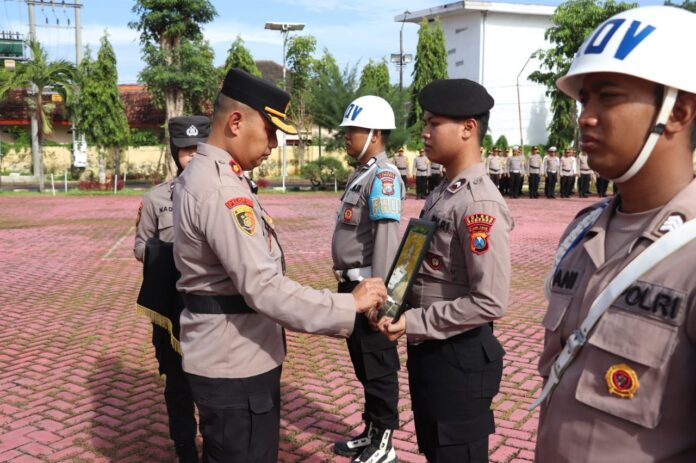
x=216 y=305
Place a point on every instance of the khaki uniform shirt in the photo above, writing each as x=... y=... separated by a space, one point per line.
x=568 y=166
x=154 y=218
x=435 y=168
x=465 y=277
x=225 y=245
x=550 y=165
x=516 y=164
x=494 y=165
x=534 y=164
x=367 y=221
x=649 y=330
x=420 y=166
x=401 y=162
x=583 y=165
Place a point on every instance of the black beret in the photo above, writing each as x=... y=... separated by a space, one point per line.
x=261 y=95
x=456 y=98
x=188 y=130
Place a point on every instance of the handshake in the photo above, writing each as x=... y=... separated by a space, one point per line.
x=370 y=298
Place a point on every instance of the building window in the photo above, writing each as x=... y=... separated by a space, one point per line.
x=461 y=29
x=459 y=63
x=451 y=51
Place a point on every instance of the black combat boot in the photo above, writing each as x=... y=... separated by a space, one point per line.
x=355 y=446
x=186 y=452
x=380 y=449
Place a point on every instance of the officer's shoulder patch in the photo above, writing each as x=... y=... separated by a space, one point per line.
x=456 y=186
x=479 y=226
x=385 y=195
x=243 y=212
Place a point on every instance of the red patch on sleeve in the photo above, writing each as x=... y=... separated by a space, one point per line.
x=241 y=201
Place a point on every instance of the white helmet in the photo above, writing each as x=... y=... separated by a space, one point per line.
x=638 y=42
x=369 y=112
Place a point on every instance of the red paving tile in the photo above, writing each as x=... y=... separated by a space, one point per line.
x=77 y=373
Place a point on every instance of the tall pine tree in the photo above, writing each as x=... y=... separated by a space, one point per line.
x=374 y=79
x=238 y=56
x=430 y=64
x=101 y=114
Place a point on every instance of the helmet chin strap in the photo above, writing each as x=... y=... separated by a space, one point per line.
x=367 y=143
x=657 y=130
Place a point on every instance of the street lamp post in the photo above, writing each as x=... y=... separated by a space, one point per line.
x=519 y=104
x=401 y=60
x=284 y=29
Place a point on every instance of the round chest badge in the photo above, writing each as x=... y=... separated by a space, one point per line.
x=622 y=381
x=348 y=214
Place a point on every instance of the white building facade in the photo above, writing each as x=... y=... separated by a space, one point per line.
x=491 y=43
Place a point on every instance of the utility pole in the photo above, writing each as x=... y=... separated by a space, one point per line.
x=401 y=60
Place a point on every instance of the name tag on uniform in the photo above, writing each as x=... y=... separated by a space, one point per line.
x=566 y=280
x=653 y=301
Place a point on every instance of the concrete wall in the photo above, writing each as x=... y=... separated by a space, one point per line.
x=462 y=37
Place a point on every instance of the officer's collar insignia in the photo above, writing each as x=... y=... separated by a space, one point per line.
x=236 y=168
x=622 y=381
x=370 y=162
x=456 y=186
x=192 y=131
x=672 y=222
x=479 y=226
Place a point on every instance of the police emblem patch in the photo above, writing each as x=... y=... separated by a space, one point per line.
x=387 y=179
x=245 y=219
x=348 y=214
x=434 y=261
x=479 y=226
x=192 y=131
x=622 y=381
x=236 y=168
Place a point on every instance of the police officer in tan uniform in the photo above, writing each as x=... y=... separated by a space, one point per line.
x=455 y=362
x=549 y=170
x=515 y=168
x=155 y=221
x=494 y=166
x=534 y=172
x=435 y=176
x=585 y=174
x=628 y=392
x=568 y=172
x=421 y=172
x=365 y=240
x=232 y=281
x=401 y=162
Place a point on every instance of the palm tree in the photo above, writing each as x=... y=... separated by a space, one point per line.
x=35 y=75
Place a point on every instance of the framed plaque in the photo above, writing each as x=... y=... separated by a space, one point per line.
x=406 y=265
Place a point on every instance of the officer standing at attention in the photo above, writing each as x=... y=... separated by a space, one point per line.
x=494 y=166
x=435 y=175
x=420 y=171
x=401 y=162
x=364 y=244
x=515 y=164
x=236 y=295
x=534 y=171
x=549 y=170
x=155 y=220
x=568 y=173
x=585 y=174
x=455 y=362
x=622 y=360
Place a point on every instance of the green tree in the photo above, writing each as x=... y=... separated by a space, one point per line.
x=430 y=64
x=101 y=114
x=238 y=56
x=689 y=5
x=374 y=79
x=325 y=171
x=39 y=73
x=502 y=143
x=572 y=22
x=170 y=30
x=300 y=61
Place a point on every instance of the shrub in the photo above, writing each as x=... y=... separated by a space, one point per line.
x=323 y=171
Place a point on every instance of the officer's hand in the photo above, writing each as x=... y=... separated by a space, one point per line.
x=369 y=294
x=392 y=330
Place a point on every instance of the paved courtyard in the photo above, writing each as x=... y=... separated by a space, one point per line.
x=78 y=378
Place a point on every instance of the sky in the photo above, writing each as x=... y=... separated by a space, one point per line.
x=354 y=31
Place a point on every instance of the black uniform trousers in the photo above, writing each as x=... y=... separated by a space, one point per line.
x=240 y=417
x=404 y=178
x=567 y=182
x=515 y=184
x=584 y=185
x=550 y=185
x=602 y=186
x=496 y=180
x=534 y=185
x=376 y=363
x=505 y=184
x=177 y=392
x=434 y=181
x=421 y=186
x=452 y=384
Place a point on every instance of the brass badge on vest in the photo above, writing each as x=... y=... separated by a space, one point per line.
x=622 y=381
x=479 y=226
